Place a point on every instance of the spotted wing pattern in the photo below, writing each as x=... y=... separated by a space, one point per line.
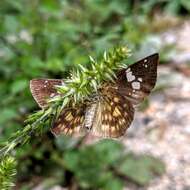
x=139 y=79
x=113 y=116
x=113 y=112
x=43 y=89
x=70 y=122
x=108 y=117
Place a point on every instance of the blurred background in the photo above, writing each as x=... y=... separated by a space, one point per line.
x=47 y=38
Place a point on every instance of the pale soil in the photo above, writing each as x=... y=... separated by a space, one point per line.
x=163 y=130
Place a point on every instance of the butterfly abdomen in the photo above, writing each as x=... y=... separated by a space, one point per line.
x=89 y=116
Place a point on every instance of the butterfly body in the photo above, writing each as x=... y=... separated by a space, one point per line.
x=110 y=111
x=89 y=116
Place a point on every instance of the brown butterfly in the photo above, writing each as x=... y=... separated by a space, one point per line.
x=110 y=112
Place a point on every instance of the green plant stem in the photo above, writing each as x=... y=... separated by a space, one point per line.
x=23 y=136
x=7 y=173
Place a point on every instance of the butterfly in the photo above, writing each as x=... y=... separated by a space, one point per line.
x=109 y=112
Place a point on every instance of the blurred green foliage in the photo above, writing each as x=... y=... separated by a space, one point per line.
x=47 y=38
x=108 y=166
x=104 y=165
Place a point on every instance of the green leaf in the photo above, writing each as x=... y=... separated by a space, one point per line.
x=141 y=169
x=114 y=184
x=55 y=65
x=186 y=4
x=64 y=142
x=19 y=86
x=50 y=6
x=71 y=159
x=173 y=6
x=11 y=24
x=7 y=114
x=91 y=164
x=110 y=150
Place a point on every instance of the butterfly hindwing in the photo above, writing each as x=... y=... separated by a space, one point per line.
x=70 y=122
x=112 y=116
x=115 y=116
x=43 y=89
x=139 y=79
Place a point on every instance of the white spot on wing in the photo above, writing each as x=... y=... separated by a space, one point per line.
x=52 y=95
x=136 y=85
x=140 y=79
x=130 y=76
x=128 y=70
x=145 y=60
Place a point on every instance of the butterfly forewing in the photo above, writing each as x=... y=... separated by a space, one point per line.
x=44 y=89
x=137 y=81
